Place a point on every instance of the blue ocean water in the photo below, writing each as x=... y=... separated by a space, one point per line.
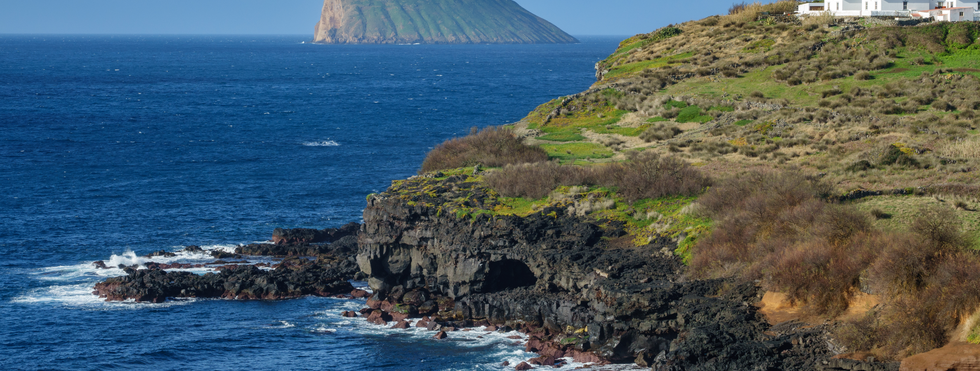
x=117 y=146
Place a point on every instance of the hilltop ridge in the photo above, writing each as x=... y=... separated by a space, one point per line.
x=433 y=22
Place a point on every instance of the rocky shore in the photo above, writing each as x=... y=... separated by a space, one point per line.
x=572 y=284
x=316 y=262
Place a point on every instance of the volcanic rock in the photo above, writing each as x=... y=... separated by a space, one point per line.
x=236 y=282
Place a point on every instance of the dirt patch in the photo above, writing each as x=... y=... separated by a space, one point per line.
x=955 y=356
x=966 y=70
x=777 y=308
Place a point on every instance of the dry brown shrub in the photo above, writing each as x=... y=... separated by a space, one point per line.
x=822 y=275
x=756 y=214
x=644 y=175
x=924 y=319
x=647 y=175
x=492 y=146
x=536 y=180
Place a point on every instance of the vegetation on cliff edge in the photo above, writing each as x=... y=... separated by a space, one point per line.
x=844 y=157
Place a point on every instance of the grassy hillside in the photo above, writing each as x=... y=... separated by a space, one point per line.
x=822 y=158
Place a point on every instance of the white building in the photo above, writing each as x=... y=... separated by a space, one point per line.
x=957 y=14
x=894 y=8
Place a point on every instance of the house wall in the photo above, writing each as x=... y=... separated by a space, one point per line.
x=959 y=3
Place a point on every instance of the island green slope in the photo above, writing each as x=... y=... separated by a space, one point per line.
x=433 y=22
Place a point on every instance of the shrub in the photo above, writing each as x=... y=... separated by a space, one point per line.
x=942 y=105
x=644 y=175
x=863 y=75
x=538 y=179
x=879 y=214
x=647 y=175
x=737 y=8
x=660 y=132
x=492 y=146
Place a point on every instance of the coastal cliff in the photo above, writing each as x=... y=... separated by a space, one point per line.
x=433 y=22
x=564 y=279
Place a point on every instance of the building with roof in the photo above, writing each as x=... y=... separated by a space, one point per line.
x=947 y=10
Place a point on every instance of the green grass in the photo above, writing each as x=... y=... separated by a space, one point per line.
x=657 y=119
x=517 y=205
x=569 y=128
x=760 y=46
x=577 y=151
x=692 y=114
x=626 y=131
x=630 y=69
x=743 y=122
x=563 y=137
x=647 y=219
x=904 y=209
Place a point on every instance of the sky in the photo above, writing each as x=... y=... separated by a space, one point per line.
x=577 y=17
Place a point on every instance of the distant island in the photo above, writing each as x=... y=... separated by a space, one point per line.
x=433 y=22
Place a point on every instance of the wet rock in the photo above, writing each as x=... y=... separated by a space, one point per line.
x=218 y=254
x=193 y=248
x=379 y=318
x=359 y=294
x=282 y=236
x=440 y=335
x=349 y=314
x=161 y=253
x=236 y=282
x=523 y=366
x=100 y=265
x=402 y=325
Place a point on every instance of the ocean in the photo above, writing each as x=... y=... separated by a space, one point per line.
x=113 y=147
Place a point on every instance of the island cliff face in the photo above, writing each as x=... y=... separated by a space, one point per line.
x=433 y=22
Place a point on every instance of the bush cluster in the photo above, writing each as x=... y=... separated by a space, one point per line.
x=492 y=146
x=778 y=228
x=644 y=175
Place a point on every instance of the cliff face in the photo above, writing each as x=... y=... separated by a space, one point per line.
x=567 y=276
x=433 y=22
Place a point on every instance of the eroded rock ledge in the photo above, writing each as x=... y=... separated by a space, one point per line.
x=565 y=276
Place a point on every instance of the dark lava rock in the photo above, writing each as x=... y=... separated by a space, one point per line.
x=523 y=366
x=100 y=265
x=282 y=236
x=440 y=335
x=193 y=248
x=349 y=314
x=237 y=282
x=161 y=253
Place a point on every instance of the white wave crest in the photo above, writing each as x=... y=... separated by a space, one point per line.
x=81 y=296
x=322 y=143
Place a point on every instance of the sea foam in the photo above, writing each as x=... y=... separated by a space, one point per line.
x=323 y=143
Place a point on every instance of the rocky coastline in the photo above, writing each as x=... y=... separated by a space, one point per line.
x=567 y=282
x=314 y=262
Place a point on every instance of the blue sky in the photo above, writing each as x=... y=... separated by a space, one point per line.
x=577 y=17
